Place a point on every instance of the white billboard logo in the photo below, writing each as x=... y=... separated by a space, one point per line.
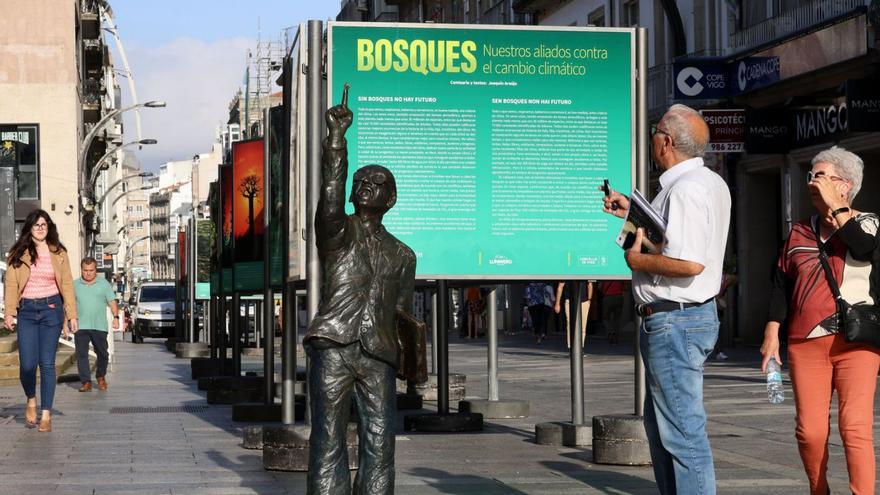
x=741 y=76
x=688 y=81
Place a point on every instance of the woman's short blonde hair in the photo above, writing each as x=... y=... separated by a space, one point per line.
x=847 y=164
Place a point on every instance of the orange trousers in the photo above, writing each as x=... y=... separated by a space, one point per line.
x=819 y=367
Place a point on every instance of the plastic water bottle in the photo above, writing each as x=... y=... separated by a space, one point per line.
x=775 y=393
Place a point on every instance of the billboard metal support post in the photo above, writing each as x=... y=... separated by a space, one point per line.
x=492 y=334
x=642 y=181
x=434 y=330
x=494 y=408
x=221 y=332
x=268 y=295
x=315 y=133
x=191 y=280
x=443 y=349
x=615 y=430
x=235 y=314
x=178 y=297
x=288 y=351
x=577 y=352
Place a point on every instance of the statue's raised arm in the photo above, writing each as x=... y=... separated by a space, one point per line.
x=330 y=216
x=339 y=119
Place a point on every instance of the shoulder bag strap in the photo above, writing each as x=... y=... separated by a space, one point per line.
x=823 y=259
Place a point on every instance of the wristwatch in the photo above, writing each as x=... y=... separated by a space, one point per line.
x=839 y=211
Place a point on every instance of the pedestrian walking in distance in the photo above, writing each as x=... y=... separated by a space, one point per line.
x=93 y=295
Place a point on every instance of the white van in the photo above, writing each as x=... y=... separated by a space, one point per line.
x=154 y=311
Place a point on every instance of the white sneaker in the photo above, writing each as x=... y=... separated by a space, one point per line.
x=721 y=356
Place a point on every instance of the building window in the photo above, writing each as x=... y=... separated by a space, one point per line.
x=597 y=17
x=629 y=13
x=99 y=256
x=20 y=149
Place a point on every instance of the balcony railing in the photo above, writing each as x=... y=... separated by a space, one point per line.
x=502 y=12
x=89 y=7
x=659 y=89
x=91 y=92
x=805 y=16
x=387 y=16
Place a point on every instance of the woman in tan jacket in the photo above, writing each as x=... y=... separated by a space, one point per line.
x=39 y=294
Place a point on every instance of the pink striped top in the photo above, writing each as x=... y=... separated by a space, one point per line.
x=41 y=282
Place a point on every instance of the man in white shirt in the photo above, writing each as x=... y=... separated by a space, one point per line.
x=674 y=293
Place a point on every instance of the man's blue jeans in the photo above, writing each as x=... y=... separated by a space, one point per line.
x=39 y=326
x=674 y=345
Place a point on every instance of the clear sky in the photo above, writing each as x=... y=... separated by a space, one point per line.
x=191 y=54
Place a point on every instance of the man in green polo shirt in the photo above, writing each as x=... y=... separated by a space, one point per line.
x=93 y=295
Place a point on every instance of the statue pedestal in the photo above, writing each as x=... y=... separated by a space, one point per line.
x=286 y=448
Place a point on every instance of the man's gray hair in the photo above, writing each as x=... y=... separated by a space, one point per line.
x=846 y=164
x=677 y=123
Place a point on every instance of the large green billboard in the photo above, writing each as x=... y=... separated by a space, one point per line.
x=499 y=139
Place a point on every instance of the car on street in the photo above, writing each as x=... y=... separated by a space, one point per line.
x=154 y=311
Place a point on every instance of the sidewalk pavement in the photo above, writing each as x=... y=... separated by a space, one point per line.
x=117 y=442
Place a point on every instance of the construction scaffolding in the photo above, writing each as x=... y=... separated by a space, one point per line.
x=263 y=66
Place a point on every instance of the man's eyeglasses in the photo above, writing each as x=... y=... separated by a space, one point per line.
x=40 y=226
x=375 y=178
x=655 y=129
x=811 y=176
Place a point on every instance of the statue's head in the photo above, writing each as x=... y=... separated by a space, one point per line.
x=373 y=188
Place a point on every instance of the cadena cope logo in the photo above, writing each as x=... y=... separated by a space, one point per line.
x=688 y=81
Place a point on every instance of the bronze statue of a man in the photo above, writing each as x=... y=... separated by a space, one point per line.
x=352 y=343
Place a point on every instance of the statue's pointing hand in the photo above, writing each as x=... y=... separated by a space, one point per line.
x=339 y=117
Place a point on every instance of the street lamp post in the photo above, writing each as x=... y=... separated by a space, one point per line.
x=145 y=187
x=87 y=141
x=120 y=181
x=90 y=240
x=99 y=165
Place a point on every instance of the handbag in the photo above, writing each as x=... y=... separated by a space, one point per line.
x=860 y=323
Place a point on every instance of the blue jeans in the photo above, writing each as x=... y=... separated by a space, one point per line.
x=674 y=345
x=39 y=326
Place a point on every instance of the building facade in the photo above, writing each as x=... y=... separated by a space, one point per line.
x=52 y=62
x=161 y=258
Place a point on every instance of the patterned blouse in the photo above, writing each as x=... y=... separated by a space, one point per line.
x=41 y=281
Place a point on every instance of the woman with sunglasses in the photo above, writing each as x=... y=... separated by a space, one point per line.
x=821 y=360
x=39 y=293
